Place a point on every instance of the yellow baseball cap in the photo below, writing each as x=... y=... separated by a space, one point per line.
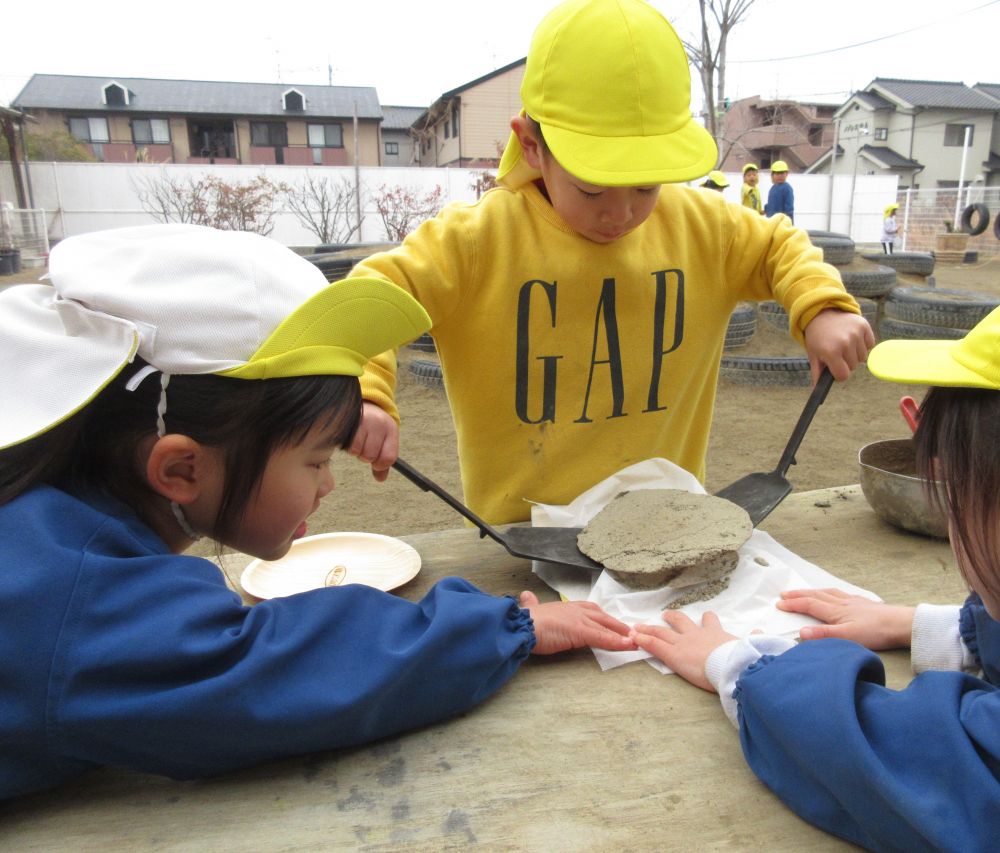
x=609 y=83
x=750 y=166
x=779 y=166
x=718 y=178
x=188 y=300
x=889 y=208
x=971 y=362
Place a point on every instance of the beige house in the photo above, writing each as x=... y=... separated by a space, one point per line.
x=922 y=131
x=468 y=126
x=125 y=119
x=399 y=145
x=758 y=131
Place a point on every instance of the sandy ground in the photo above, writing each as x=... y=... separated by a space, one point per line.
x=751 y=427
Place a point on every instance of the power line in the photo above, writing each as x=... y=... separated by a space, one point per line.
x=861 y=43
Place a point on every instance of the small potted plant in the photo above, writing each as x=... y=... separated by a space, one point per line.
x=951 y=241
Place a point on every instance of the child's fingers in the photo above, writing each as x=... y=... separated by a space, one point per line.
x=527 y=599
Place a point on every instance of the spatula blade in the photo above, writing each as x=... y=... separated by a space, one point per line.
x=757 y=493
x=550 y=544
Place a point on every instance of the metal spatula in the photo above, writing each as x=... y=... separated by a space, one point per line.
x=761 y=492
x=551 y=544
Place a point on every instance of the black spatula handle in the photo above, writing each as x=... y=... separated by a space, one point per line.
x=816 y=398
x=428 y=485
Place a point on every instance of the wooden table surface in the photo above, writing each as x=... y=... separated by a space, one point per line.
x=564 y=757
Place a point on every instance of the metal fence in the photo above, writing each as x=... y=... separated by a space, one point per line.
x=926 y=214
x=27 y=231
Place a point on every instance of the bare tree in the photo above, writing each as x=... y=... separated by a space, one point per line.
x=326 y=207
x=708 y=53
x=209 y=200
x=403 y=208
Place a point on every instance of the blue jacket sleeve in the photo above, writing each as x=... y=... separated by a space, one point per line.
x=917 y=769
x=207 y=684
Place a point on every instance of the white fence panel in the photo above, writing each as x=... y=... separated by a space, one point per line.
x=81 y=197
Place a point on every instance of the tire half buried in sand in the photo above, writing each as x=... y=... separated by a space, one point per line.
x=666 y=537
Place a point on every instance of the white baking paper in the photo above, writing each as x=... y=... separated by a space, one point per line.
x=765 y=569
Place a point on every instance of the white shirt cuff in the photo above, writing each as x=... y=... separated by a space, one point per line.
x=726 y=663
x=935 y=641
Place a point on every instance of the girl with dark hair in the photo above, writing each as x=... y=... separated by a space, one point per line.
x=916 y=769
x=175 y=381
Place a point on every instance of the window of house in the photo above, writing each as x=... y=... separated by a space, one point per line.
x=454 y=119
x=447 y=129
x=90 y=129
x=212 y=138
x=881 y=134
x=115 y=95
x=294 y=101
x=769 y=116
x=815 y=134
x=326 y=136
x=268 y=134
x=392 y=148
x=954 y=134
x=150 y=130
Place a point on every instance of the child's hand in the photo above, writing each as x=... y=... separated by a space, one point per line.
x=377 y=440
x=851 y=617
x=564 y=625
x=685 y=645
x=838 y=339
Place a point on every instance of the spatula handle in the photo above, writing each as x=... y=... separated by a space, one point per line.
x=428 y=485
x=815 y=400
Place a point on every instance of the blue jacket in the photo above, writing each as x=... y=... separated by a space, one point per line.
x=780 y=199
x=113 y=651
x=915 y=769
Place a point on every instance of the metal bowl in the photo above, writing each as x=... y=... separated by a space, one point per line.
x=892 y=488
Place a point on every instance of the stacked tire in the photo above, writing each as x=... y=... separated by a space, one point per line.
x=838 y=250
x=932 y=313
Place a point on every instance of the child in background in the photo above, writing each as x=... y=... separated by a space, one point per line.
x=917 y=769
x=715 y=181
x=750 y=192
x=176 y=381
x=580 y=308
x=781 y=197
x=889 y=228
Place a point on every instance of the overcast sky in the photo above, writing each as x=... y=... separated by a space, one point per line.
x=412 y=52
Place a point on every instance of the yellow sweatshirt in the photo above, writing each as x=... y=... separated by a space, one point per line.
x=566 y=360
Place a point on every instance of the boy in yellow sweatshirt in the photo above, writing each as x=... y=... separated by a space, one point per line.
x=580 y=308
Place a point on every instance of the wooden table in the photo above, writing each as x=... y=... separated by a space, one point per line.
x=564 y=757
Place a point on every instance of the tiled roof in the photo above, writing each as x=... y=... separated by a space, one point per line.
x=991 y=89
x=873 y=100
x=888 y=158
x=65 y=92
x=932 y=94
x=400 y=118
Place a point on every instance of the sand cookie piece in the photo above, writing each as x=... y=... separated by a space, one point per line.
x=659 y=537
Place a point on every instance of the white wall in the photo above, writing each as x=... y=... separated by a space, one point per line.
x=871 y=193
x=81 y=197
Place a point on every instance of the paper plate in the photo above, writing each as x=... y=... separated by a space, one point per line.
x=333 y=559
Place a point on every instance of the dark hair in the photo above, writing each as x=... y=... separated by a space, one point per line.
x=247 y=419
x=958 y=444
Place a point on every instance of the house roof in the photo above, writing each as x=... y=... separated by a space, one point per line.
x=400 y=118
x=496 y=73
x=931 y=94
x=873 y=100
x=887 y=158
x=147 y=95
x=991 y=89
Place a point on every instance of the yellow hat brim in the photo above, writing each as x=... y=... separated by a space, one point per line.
x=972 y=362
x=336 y=331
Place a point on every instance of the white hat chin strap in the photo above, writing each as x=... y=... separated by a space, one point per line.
x=161 y=430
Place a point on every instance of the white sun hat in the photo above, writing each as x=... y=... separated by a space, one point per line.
x=188 y=300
